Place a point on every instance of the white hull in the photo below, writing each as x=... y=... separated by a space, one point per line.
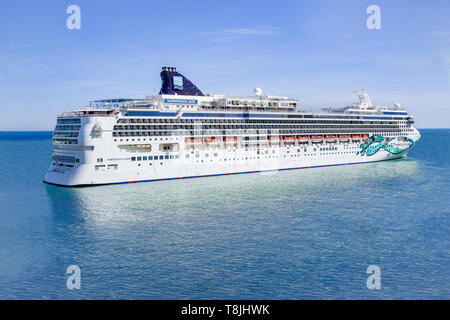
x=207 y=164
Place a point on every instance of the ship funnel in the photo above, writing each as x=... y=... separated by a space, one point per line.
x=174 y=82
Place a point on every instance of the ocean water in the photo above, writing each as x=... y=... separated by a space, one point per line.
x=300 y=234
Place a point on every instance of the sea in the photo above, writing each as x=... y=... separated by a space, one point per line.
x=321 y=233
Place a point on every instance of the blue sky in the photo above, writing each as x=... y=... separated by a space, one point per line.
x=316 y=51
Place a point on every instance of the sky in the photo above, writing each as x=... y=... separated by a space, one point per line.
x=316 y=51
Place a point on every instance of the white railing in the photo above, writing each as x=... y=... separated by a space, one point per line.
x=118 y=103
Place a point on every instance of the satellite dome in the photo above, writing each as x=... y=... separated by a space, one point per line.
x=257 y=91
x=397 y=106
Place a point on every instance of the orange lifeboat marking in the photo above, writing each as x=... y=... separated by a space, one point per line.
x=192 y=140
x=316 y=138
x=228 y=139
x=288 y=138
x=270 y=138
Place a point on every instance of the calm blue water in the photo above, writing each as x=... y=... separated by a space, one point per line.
x=291 y=235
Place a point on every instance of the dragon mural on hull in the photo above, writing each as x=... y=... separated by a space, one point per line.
x=377 y=142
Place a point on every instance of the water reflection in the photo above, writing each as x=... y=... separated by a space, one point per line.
x=231 y=236
x=138 y=202
x=295 y=234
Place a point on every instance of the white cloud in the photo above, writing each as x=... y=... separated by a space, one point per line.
x=230 y=34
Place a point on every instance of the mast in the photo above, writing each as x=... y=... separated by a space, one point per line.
x=364 y=99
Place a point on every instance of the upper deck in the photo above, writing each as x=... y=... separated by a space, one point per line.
x=180 y=95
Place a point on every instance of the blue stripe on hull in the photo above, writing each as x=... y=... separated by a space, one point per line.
x=212 y=175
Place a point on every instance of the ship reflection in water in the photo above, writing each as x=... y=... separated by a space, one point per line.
x=128 y=204
x=293 y=234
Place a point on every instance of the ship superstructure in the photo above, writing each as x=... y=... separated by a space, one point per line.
x=183 y=133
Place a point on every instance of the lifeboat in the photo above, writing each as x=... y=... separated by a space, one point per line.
x=302 y=139
x=343 y=137
x=356 y=137
x=365 y=136
x=273 y=139
x=212 y=140
x=193 y=140
x=316 y=138
x=288 y=139
x=229 y=139
x=330 y=138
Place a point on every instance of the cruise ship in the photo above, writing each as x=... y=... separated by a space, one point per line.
x=183 y=133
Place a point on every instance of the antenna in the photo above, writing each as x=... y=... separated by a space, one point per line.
x=364 y=99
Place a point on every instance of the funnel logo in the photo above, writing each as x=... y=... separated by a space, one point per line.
x=178 y=83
